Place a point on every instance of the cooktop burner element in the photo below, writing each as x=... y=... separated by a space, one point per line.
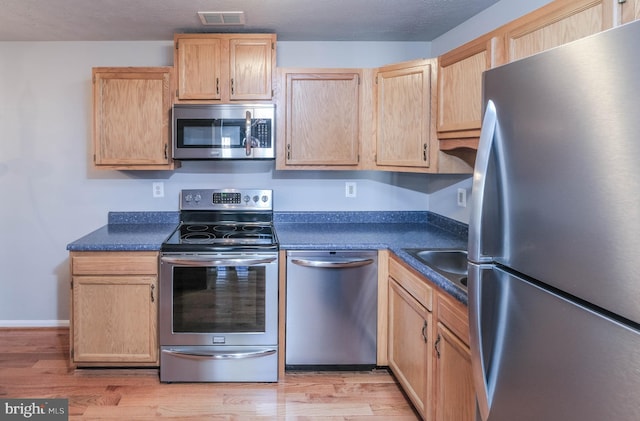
x=223 y=220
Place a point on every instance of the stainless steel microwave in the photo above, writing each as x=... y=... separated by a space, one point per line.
x=223 y=131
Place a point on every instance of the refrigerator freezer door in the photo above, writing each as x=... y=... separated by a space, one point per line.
x=569 y=168
x=538 y=356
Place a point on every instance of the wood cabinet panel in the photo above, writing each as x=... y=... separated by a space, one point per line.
x=460 y=87
x=321 y=118
x=224 y=67
x=403 y=114
x=251 y=68
x=115 y=319
x=413 y=283
x=454 y=394
x=131 y=108
x=557 y=23
x=114 y=263
x=630 y=11
x=198 y=67
x=410 y=342
x=114 y=308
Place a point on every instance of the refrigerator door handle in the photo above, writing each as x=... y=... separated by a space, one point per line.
x=480 y=378
x=485 y=146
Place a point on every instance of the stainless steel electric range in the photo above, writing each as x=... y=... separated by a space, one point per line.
x=219 y=289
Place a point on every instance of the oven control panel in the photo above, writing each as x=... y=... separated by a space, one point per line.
x=226 y=199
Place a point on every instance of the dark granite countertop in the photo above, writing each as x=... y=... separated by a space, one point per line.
x=395 y=231
x=129 y=231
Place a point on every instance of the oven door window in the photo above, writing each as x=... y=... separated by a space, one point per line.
x=221 y=299
x=210 y=133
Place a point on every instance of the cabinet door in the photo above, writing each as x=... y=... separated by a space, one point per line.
x=131 y=118
x=403 y=116
x=454 y=393
x=114 y=319
x=199 y=62
x=557 y=23
x=410 y=345
x=322 y=124
x=630 y=11
x=251 y=67
x=460 y=88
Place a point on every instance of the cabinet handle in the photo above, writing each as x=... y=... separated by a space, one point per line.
x=424 y=152
x=289 y=151
x=424 y=329
x=232 y=87
x=153 y=299
x=437 y=345
x=217 y=86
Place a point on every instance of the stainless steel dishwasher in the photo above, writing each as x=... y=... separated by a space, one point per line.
x=331 y=309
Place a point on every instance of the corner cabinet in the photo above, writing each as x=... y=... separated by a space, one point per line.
x=131 y=111
x=319 y=127
x=460 y=91
x=403 y=116
x=114 y=309
x=428 y=346
x=224 y=67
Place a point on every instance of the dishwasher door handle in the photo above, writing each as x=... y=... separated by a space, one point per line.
x=332 y=264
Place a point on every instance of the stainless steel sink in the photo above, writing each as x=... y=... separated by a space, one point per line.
x=450 y=263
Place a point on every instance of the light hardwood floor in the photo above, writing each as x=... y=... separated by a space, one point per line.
x=34 y=364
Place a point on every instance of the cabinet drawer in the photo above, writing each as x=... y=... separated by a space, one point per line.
x=114 y=263
x=455 y=316
x=412 y=283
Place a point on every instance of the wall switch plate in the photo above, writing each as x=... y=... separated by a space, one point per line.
x=158 y=189
x=462 y=198
x=350 y=189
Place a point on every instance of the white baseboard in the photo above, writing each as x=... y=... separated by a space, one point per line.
x=34 y=323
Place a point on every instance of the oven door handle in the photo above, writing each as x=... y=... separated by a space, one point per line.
x=332 y=264
x=207 y=261
x=222 y=355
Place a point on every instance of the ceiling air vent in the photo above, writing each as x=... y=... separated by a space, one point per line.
x=221 y=18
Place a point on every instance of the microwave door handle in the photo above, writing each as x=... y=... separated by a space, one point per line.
x=247 y=134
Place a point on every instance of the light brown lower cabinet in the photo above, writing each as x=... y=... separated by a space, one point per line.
x=428 y=346
x=114 y=309
x=453 y=391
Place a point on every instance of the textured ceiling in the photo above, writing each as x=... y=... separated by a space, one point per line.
x=292 y=20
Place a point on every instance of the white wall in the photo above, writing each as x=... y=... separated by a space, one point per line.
x=51 y=195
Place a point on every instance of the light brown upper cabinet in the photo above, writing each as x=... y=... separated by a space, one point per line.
x=320 y=114
x=460 y=90
x=404 y=127
x=131 y=108
x=557 y=23
x=224 y=67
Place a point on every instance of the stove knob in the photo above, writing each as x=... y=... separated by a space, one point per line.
x=198 y=198
x=188 y=198
x=265 y=198
x=246 y=198
x=256 y=198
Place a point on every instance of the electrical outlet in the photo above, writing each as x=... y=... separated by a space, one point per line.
x=158 y=189
x=350 y=189
x=462 y=198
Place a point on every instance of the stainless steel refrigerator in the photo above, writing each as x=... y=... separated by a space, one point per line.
x=554 y=235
